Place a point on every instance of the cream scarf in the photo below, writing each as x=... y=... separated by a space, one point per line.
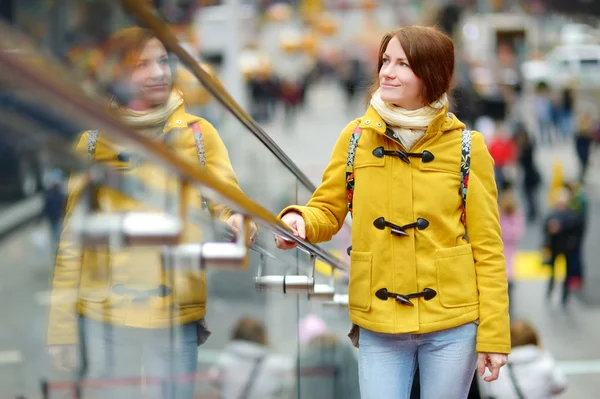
x=408 y=125
x=149 y=122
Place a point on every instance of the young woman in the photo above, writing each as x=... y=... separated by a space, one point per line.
x=125 y=303
x=419 y=291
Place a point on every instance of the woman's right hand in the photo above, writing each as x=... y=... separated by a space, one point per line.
x=296 y=223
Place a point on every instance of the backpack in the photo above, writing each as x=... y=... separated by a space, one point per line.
x=93 y=139
x=465 y=165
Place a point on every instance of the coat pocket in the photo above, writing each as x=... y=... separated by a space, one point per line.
x=359 y=289
x=190 y=289
x=456 y=277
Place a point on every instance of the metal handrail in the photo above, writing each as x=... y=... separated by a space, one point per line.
x=94 y=113
x=144 y=14
x=62 y=149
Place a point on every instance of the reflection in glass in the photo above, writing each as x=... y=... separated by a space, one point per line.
x=129 y=313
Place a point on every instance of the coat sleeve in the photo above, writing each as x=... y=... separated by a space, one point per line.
x=62 y=322
x=485 y=238
x=217 y=162
x=326 y=211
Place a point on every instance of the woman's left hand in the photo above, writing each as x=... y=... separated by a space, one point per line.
x=236 y=221
x=493 y=361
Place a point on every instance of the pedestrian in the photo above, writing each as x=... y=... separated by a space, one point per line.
x=531 y=371
x=531 y=178
x=544 y=111
x=586 y=129
x=327 y=365
x=419 y=291
x=125 y=304
x=504 y=153
x=562 y=236
x=512 y=223
x=247 y=368
x=54 y=204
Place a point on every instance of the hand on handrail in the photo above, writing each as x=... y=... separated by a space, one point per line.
x=236 y=221
x=298 y=226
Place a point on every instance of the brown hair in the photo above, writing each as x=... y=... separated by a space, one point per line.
x=252 y=330
x=523 y=333
x=122 y=52
x=430 y=54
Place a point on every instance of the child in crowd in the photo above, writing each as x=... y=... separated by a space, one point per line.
x=512 y=223
x=531 y=371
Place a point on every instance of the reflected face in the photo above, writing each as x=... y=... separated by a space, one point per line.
x=399 y=85
x=151 y=78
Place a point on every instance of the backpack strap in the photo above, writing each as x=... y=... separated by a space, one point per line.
x=199 y=139
x=91 y=144
x=350 y=166
x=247 y=389
x=201 y=151
x=513 y=379
x=465 y=168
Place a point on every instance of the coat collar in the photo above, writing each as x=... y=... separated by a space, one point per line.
x=442 y=122
x=180 y=119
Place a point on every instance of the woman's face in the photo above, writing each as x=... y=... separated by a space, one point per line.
x=399 y=85
x=151 y=77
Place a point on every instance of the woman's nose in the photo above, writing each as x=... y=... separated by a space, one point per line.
x=387 y=71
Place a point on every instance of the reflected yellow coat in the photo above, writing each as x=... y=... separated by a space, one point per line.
x=83 y=282
x=469 y=277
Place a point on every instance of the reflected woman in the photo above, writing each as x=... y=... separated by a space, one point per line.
x=124 y=302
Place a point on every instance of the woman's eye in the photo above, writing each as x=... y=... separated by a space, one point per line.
x=164 y=61
x=404 y=64
x=385 y=61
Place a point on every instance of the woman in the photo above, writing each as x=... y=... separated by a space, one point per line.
x=125 y=302
x=464 y=321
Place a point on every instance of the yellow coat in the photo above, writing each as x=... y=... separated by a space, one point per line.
x=469 y=277
x=84 y=283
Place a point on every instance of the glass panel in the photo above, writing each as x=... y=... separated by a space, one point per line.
x=120 y=304
x=125 y=296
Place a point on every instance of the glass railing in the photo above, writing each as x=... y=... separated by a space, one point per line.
x=130 y=272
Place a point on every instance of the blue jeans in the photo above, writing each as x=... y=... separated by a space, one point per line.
x=447 y=360
x=114 y=357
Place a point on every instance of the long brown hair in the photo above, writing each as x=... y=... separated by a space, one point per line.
x=430 y=54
